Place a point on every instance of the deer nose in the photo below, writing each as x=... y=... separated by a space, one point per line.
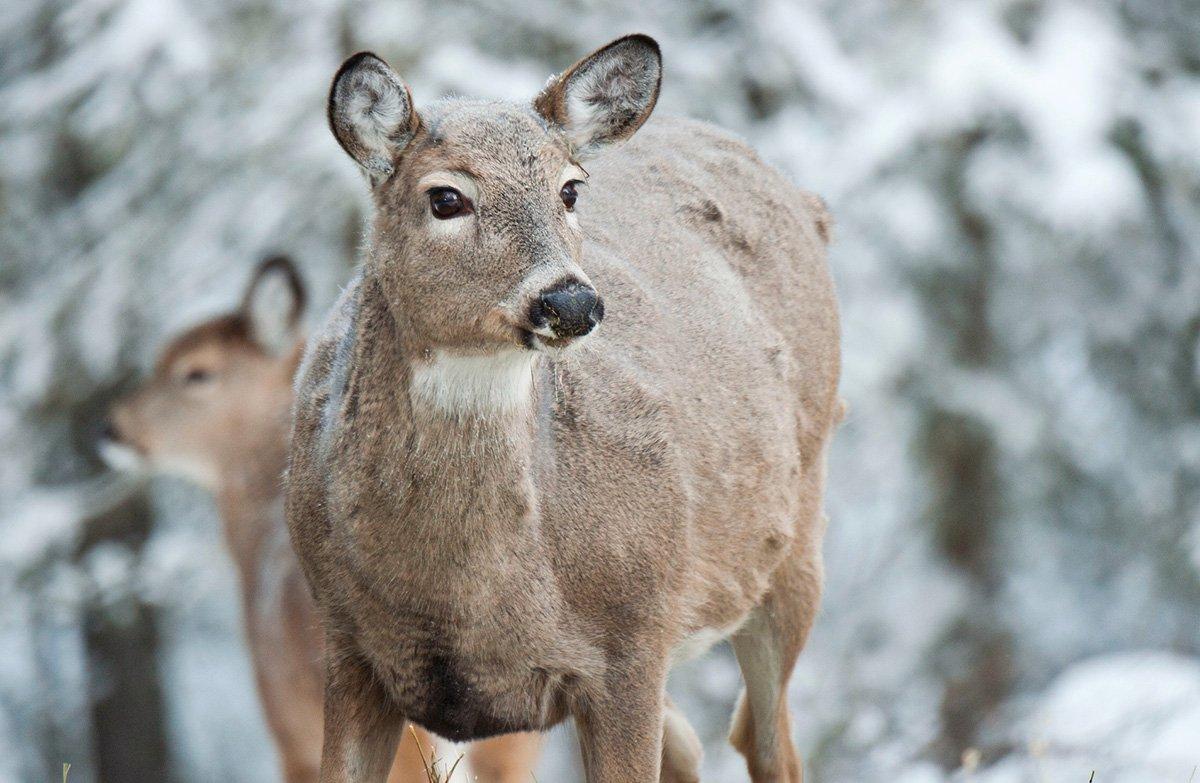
x=109 y=431
x=572 y=309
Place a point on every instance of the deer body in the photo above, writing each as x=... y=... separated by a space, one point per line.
x=506 y=523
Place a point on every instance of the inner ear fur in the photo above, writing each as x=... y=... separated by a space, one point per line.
x=371 y=114
x=605 y=97
x=274 y=304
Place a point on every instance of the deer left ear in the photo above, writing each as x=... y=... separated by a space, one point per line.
x=371 y=114
x=605 y=97
x=273 y=305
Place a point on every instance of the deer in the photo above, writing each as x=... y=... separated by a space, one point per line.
x=216 y=411
x=567 y=425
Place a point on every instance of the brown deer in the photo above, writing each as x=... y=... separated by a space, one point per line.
x=510 y=516
x=217 y=411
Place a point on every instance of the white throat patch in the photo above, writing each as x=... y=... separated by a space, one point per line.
x=478 y=384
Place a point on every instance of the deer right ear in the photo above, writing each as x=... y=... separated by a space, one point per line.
x=605 y=97
x=371 y=114
x=273 y=305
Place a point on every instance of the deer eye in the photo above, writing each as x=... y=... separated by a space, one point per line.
x=569 y=193
x=446 y=203
x=197 y=376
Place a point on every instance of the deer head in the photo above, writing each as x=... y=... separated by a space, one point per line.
x=220 y=391
x=476 y=240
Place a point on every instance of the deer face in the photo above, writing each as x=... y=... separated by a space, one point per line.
x=220 y=392
x=477 y=241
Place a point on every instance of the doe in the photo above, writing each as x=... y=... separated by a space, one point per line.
x=566 y=427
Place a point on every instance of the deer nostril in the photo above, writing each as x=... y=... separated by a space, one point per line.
x=571 y=310
x=109 y=431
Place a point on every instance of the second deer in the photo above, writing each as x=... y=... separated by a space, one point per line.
x=217 y=412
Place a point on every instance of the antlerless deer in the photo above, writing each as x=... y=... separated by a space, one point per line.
x=217 y=411
x=567 y=425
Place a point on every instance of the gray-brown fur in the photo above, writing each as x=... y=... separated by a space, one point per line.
x=542 y=553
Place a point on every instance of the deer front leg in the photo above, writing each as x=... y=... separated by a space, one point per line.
x=362 y=725
x=621 y=727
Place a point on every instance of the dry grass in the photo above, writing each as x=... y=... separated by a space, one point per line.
x=433 y=767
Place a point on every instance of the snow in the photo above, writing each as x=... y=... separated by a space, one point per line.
x=1131 y=717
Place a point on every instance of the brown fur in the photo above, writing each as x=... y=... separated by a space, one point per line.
x=495 y=550
x=230 y=433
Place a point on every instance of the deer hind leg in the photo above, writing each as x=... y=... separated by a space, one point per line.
x=509 y=758
x=766 y=647
x=682 y=750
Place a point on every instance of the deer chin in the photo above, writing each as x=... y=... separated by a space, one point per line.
x=130 y=460
x=545 y=341
x=191 y=469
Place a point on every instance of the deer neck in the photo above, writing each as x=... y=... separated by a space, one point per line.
x=474 y=429
x=455 y=462
x=250 y=501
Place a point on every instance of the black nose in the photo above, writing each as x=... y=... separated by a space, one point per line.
x=572 y=309
x=109 y=431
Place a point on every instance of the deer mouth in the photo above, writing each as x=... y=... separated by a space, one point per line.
x=541 y=340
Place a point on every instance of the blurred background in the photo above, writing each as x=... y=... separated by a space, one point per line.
x=1013 y=588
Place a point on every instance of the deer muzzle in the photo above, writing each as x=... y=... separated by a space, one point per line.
x=570 y=309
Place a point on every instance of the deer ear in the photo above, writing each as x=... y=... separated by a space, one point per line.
x=606 y=96
x=371 y=114
x=273 y=305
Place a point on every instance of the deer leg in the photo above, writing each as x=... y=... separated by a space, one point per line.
x=295 y=723
x=766 y=647
x=362 y=726
x=621 y=727
x=682 y=750
x=509 y=758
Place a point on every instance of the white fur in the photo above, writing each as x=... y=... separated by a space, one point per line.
x=272 y=307
x=604 y=85
x=585 y=119
x=120 y=457
x=448 y=228
x=477 y=384
x=189 y=468
x=375 y=103
x=700 y=642
x=126 y=459
x=757 y=651
x=570 y=172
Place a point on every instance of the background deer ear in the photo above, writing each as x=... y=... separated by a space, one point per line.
x=273 y=305
x=606 y=96
x=371 y=114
